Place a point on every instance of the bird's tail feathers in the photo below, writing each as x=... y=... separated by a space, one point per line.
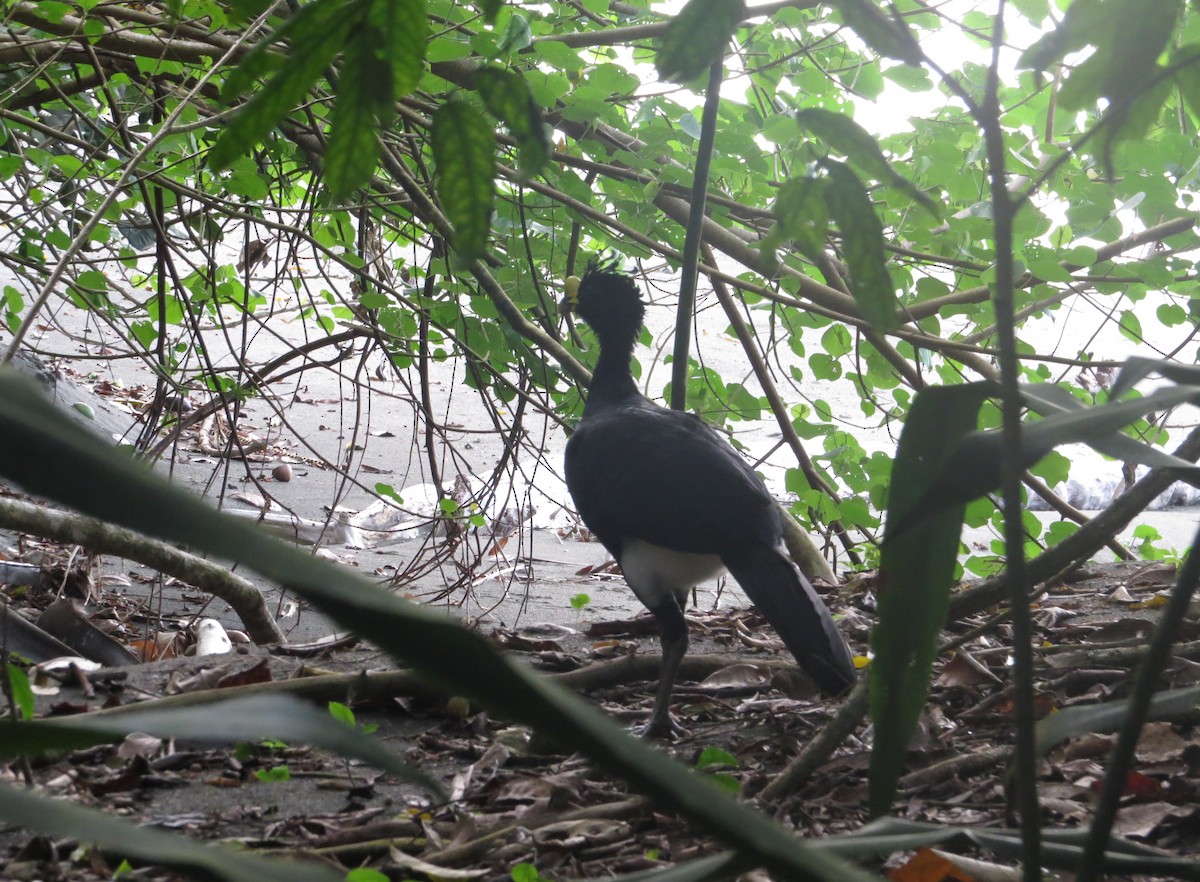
x=794 y=609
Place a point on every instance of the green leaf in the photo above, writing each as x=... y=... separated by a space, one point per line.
x=366 y=874
x=697 y=37
x=93 y=281
x=404 y=29
x=1068 y=722
x=1137 y=368
x=1083 y=25
x=507 y=96
x=54 y=817
x=886 y=35
x=318 y=33
x=1131 y=327
x=275 y=773
x=250 y=718
x=516 y=36
x=715 y=756
x=690 y=126
x=836 y=341
x=1062 y=849
x=384 y=61
x=917 y=571
x=1053 y=468
x=491 y=8
x=308 y=24
x=853 y=141
x=975 y=467
x=43 y=448
x=364 y=99
x=1186 y=60
x=1128 y=40
x=863 y=246
x=464 y=151
x=241 y=10
x=801 y=214
x=18 y=685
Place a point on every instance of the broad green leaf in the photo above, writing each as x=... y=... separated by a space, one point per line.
x=313 y=49
x=802 y=215
x=697 y=37
x=1136 y=368
x=1083 y=25
x=464 y=148
x=1061 y=848
x=491 y=8
x=1131 y=326
x=886 y=34
x=403 y=27
x=690 y=126
x=92 y=280
x=308 y=25
x=975 y=467
x=506 y=95
x=516 y=36
x=19 y=689
x=44 y=450
x=1130 y=119
x=1034 y=10
x=837 y=341
x=1186 y=60
x=863 y=246
x=1128 y=39
x=242 y=10
x=248 y=718
x=364 y=100
x=56 y=817
x=1068 y=722
x=853 y=141
x=916 y=572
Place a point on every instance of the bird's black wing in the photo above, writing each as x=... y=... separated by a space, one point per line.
x=638 y=470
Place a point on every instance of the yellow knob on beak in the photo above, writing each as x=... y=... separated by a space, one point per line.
x=572 y=296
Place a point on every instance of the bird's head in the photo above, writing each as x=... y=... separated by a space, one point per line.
x=607 y=299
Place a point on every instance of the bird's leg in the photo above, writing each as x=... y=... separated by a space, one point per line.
x=673 y=627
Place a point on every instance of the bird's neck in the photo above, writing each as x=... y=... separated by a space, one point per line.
x=612 y=381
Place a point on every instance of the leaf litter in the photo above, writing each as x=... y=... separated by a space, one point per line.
x=515 y=804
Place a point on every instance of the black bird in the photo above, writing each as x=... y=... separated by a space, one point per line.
x=676 y=505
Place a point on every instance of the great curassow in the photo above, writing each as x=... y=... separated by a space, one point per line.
x=676 y=505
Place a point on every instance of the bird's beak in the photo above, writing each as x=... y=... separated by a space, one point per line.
x=571 y=298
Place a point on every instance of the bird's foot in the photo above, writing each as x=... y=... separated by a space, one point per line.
x=663 y=728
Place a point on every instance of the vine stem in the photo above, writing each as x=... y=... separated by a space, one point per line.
x=693 y=237
x=1003 y=210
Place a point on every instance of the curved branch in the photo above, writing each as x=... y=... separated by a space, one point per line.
x=218 y=580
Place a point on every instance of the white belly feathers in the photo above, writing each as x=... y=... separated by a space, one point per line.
x=653 y=571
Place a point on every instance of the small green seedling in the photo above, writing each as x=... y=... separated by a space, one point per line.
x=712 y=758
x=524 y=872
x=19 y=689
x=343 y=714
x=275 y=773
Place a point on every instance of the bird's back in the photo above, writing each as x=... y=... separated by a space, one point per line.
x=642 y=471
